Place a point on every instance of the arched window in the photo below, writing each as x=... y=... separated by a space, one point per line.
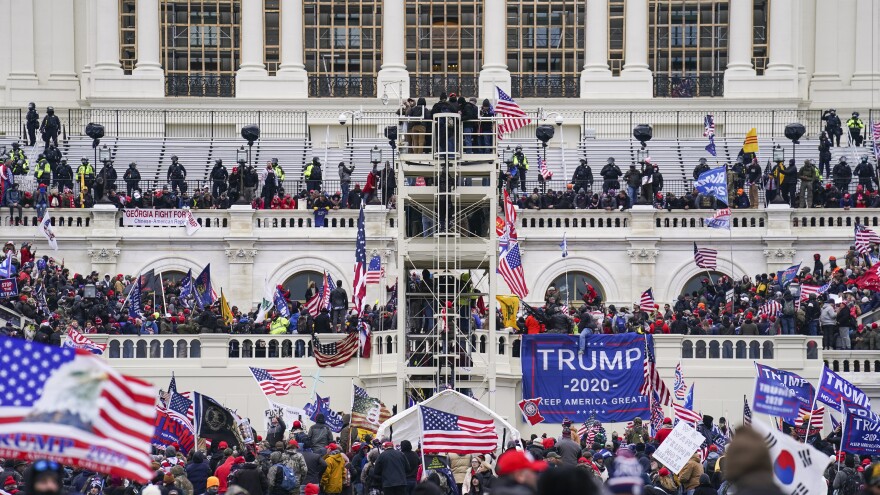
x=298 y=284
x=572 y=286
x=174 y=276
x=696 y=282
x=114 y=349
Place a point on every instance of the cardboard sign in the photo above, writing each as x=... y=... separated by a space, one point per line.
x=678 y=447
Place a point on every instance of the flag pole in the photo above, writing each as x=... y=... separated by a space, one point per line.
x=422 y=435
x=744 y=410
x=162 y=288
x=351 y=415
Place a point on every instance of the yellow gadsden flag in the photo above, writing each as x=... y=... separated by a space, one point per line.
x=750 y=144
x=509 y=308
x=225 y=310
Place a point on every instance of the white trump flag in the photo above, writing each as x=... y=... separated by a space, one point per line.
x=797 y=468
x=46 y=230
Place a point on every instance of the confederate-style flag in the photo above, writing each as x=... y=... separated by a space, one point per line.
x=531 y=411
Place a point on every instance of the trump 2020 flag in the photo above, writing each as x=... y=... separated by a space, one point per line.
x=861 y=430
x=322 y=406
x=713 y=183
x=77 y=340
x=833 y=388
x=70 y=406
x=281 y=304
x=781 y=393
x=797 y=468
x=786 y=276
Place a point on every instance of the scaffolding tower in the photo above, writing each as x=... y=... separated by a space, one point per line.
x=447 y=184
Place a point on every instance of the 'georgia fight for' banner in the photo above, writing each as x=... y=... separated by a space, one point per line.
x=604 y=381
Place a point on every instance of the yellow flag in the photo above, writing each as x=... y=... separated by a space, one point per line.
x=509 y=307
x=225 y=311
x=750 y=144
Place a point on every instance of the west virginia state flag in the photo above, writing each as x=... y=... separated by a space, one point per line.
x=750 y=144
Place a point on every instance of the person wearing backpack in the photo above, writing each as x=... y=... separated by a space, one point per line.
x=847 y=481
x=282 y=479
x=788 y=312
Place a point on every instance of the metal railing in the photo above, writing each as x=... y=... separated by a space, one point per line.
x=432 y=85
x=545 y=86
x=342 y=86
x=215 y=85
x=216 y=124
x=672 y=86
x=689 y=124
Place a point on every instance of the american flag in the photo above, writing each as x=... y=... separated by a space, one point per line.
x=771 y=308
x=316 y=302
x=835 y=423
x=278 y=382
x=542 y=167
x=77 y=340
x=375 y=271
x=806 y=290
x=684 y=414
x=325 y=294
x=75 y=401
x=747 y=412
x=512 y=116
x=446 y=432
x=656 y=414
x=591 y=428
x=360 y=266
x=875 y=126
x=367 y=412
x=646 y=303
x=178 y=407
x=510 y=216
x=172 y=389
x=817 y=418
x=705 y=258
x=335 y=353
x=709 y=132
x=678 y=385
x=652 y=381
x=511 y=270
x=864 y=238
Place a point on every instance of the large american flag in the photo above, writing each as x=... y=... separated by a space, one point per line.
x=807 y=290
x=747 y=412
x=646 y=302
x=864 y=238
x=684 y=414
x=817 y=418
x=314 y=304
x=511 y=270
x=772 y=308
x=375 y=271
x=72 y=402
x=77 y=340
x=360 y=266
x=652 y=381
x=678 y=385
x=178 y=407
x=705 y=258
x=335 y=353
x=656 y=414
x=172 y=389
x=278 y=382
x=512 y=116
x=446 y=432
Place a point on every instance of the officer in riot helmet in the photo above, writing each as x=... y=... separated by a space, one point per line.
x=176 y=176
x=33 y=123
x=50 y=128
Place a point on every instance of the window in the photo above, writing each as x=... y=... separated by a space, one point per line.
x=127 y=34
x=299 y=283
x=572 y=286
x=695 y=284
x=685 y=32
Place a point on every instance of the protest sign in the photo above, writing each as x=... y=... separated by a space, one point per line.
x=678 y=447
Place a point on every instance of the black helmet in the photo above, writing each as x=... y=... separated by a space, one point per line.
x=32 y=106
x=518 y=147
x=84 y=160
x=855 y=114
x=610 y=160
x=40 y=157
x=274 y=161
x=703 y=161
x=583 y=161
x=132 y=165
x=50 y=110
x=315 y=159
x=173 y=158
x=15 y=145
x=218 y=162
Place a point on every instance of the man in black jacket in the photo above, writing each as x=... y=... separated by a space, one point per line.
x=610 y=176
x=470 y=116
x=390 y=470
x=322 y=322
x=176 y=175
x=315 y=465
x=219 y=178
x=842 y=175
x=320 y=435
x=132 y=178
x=865 y=172
x=789 y=184
x=33 y=123
x=339 y=303
x=50 y=128
x=583 y=177
x=250 y=477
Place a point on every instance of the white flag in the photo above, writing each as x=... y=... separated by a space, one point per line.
x=797 y=468
x=46 y=229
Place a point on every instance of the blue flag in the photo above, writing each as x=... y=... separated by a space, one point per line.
x=861 y=430
x=781 y=393
x=134 y=300
x=281 y=304
x=7 y=269
x=833 y=388
x=710 y=148
x=186 y=289
x=204 y=292
x=689 y=400
x=322 y=406
x=713 y=183
x=786 y=276
x=564 y=246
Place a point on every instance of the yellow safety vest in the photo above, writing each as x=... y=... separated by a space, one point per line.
x=279 y=174
x=525 y=162
x=279 y=326
x=43 y=167
x=308 y=173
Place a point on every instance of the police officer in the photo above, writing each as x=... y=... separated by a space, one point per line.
x=106 y=180
x=20 y=163
x=855 y=126
x=610 y=176
x=85 y=176
x=132 y=178
x=583 y=177
x=63 y=176
x=219 y=178
x=176 y=175
x=279 y=172
x=313 y=175
x=53 y=155
x=17 y=153
x=43 y=171
x=842 y=175
x=865 y=172
x=832 y=125
x=33 y=123
x=50 y=128
x=522 y=166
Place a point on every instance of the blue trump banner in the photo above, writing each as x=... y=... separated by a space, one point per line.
x=781 y=393
x=786 y=276
x=603 y=382
x=281 y=304
x=861 y=430
x=713 y=183
x=833 y=388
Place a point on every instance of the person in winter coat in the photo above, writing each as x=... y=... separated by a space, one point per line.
x=390 y=470
x=689 y=476
x=251 y=477
x=583 y=176
x=181 y=481
x=333 y=478
x=705 y=486
x=610 y=176
x=315 y=465
x=788 y=185
x=459 y=465
x=664 y=431
x=275 y=432
x=320 y=435
x=198 y=472
x=348 y=433
x=223 y=471
x=275 y=475
x=413 y=463
x=219 y=178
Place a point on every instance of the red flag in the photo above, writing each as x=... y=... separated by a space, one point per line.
x=531 y=411
x=871 y=279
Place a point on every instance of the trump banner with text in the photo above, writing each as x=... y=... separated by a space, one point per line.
x=833 y=388
x=861 y=430
x=781 y=393
x=604 y=382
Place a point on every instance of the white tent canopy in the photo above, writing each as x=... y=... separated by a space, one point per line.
x=407 y=425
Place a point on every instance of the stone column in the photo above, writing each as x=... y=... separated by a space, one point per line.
x=393 y=49
x=20 y=40
x=739 y=39
x=826 y=47
x=494 y=72
x=241 y=271
x=252 y=22
x=292 y=69
x=148 y=44
x=107 y=38
x=63 y=59
x=867 y=58
x=781 y=38
x=596 y=38
x=636 y=48
x=104 y=259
